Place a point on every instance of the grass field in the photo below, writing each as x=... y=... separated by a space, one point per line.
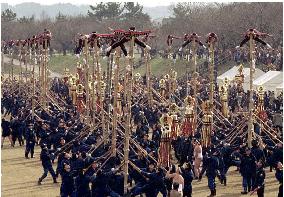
x=159 y=66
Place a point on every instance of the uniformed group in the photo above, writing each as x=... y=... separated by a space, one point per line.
x=169 y=149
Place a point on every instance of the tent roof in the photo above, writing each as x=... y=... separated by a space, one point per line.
x=230 y=74
x=269 y=77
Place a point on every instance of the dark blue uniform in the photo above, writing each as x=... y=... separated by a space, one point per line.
x=5 y=128
x=82 y=185
x=30 y=142
x=154 y=185
x=45 y=158
x=279 y=177
x=210 y=165
x=100 y=185
x=67 y=185
x=259 y=182
x=248 y=171
x=188 y=177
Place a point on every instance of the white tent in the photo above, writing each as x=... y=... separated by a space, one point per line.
x=230 y=74
x=279 y=89
x=270 y=80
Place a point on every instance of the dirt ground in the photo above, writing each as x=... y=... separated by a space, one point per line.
x=20 y=175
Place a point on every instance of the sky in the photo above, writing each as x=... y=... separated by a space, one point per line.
x=147 y=3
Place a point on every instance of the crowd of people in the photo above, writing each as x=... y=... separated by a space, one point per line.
x=53 y=130
x=75 y=147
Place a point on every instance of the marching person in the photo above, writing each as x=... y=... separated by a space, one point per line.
x=6 y=131
x=259 y=181
x=187 y=175
x=248 y=170
x=30 y=141
x=210 y=165
x=46 y=158
x=67 y=188
x=279 y=177
x=16 y=127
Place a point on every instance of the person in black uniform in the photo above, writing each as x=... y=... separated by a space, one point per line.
x=279 y=177
x=100 y=183
x=82 y=185
x=210 y=165
x=248 y=170
x=30 y=141
x=16 y=130
x=259 y=179
x=187 y=175
x=67 y=188
x=45 y=158
x=6 y=132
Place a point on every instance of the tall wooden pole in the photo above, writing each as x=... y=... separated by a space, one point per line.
x=2 y=61
x=194 y=76
x=33 y=84
x=250 y=126
x=44 y=74
x=12 y=67
x=93 y=104
x=20 y=58
x=211 y=67
x=39 y=62
x=187 y=71
x=128 y=113
x=108 y=90
x=148 y=78
x=211 y=96
x=100 y=93
x=25 y=63
x=86 y=82
x=115 y=106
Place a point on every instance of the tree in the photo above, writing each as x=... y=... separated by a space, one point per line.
x=60 y=16
x=132 y=10
x=26 y=19
x=134 y=15
x=103 y=11
x=8 y=15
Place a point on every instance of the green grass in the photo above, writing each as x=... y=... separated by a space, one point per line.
x=6 y=68
x=159 y=66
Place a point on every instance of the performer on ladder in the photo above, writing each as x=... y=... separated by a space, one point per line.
x=80 y=41
x=126 y=38
x=256 y=34
x=191 y=37
x=211 y=37
x=170 y=40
